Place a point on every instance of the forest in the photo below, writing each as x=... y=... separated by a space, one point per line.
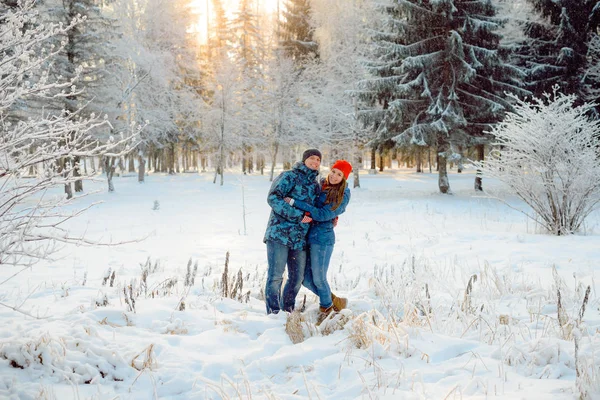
x=175 y=86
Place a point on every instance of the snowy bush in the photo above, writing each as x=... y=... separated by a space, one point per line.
x=78 y=358
x=546 y=152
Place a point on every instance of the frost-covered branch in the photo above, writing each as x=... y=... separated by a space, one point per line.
x=39 y=152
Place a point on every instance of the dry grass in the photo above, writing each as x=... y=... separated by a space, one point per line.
x=145 y=360
x=294 y=326
x=336 y=321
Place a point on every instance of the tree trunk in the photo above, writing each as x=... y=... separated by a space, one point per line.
x=419 y=159
x=443 y=182
x=244 y=159
x=77 y=172
x=131 y=158
x=381 y=161
x=222 y=162
x=62 y=169
x=459 y=164
x=141 y=168
x=185 y=159
x=69 y=190
x=32 y=167
x=373 y=159
x=109 y=168
x=121 y=166
x=429 y=158
x=274 y=161
x=171 y=159
x=194 y=156
x=355 y=171
x=480 y=148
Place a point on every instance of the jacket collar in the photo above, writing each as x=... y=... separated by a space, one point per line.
x=303 y=168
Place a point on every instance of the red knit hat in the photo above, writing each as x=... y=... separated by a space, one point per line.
x=343 y=166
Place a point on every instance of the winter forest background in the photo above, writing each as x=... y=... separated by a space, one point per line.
x=499 y=96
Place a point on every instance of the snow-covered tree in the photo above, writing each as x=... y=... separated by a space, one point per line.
x=440 y=76
x=220 y=123
x=249 y=55
x=556 y=50
x=88 y=49
x=281 y=109
x=546 y=152
x=341 y=34
x=591 y=78
x=220 y=35
x=155 y=75
x=296 y=33
x=30 y=214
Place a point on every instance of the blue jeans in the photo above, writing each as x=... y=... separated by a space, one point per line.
x=278 y=256
x=315 y=274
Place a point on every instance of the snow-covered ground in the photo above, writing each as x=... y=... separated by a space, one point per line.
x=415 y=327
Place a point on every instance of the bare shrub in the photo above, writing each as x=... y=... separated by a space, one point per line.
x=547 y=153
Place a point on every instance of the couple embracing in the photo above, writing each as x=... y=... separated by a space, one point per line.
x=300 y=232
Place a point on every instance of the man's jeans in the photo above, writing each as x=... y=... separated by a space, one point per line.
x=278 y=256
x=315 y=274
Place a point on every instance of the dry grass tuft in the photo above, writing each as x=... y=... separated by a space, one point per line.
x=335 y=322
x=372 y=327
x=106 y=322
x=294 y=326
x=145 y=359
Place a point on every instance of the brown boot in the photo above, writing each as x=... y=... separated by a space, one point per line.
x=323 y=314
x=339 y=303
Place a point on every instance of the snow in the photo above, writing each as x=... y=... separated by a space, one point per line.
x=404 y=256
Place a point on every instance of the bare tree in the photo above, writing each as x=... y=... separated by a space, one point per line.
x=31 y=217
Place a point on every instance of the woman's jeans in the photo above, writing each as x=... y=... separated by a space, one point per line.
x=278 y=256
x=315 y=274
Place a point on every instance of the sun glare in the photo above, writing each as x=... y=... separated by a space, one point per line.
x=204 y=8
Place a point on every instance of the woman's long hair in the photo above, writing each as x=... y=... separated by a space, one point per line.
x=335 y=193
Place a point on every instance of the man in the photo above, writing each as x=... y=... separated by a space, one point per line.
x=286 y=231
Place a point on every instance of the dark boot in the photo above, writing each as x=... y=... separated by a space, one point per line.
x=323 y=314
x=339 y=303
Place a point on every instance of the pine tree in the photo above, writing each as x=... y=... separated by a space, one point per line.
x=295 y=30
x=221 y=33
x=440 y=76
x=556 y=50
x=247 y=37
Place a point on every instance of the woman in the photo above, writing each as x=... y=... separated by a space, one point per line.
x=330 y=203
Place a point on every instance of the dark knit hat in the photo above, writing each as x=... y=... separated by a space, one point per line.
x=311 y=152
x=343 y=166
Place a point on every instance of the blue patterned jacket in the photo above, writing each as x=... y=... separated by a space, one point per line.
x=321 y=228
x=284 y=225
